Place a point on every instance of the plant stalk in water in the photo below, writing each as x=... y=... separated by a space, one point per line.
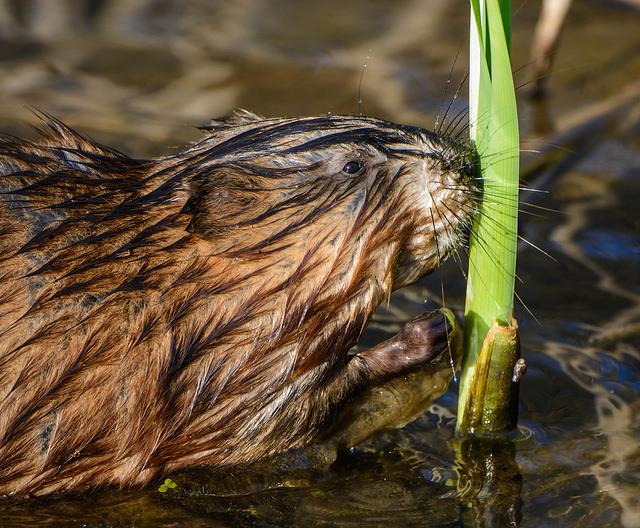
x=487 y=391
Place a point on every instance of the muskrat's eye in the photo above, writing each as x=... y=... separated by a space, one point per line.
x=352 y=167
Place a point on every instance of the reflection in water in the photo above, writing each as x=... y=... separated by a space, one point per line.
x=139 y=73
x=489 y=482
x=602 y=372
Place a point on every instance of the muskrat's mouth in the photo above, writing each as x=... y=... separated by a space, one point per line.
x=453 y=207
x=466 y=194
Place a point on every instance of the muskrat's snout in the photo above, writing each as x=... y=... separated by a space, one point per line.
x=442 y=201
x=467 y=171
x=458 y=158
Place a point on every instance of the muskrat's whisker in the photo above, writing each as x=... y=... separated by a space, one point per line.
x=493 y=192
x=500 y=225
x=446 y=224
x=483 y=243
x=531 y=214
x=489 y=140
x=451 y=362
x=495 y=222
x=520 y=211
x=463 y=204
x=460 y=131
x=433 y=201
x=520 y=151
x=456 y=257
x=459 y=261
x=502 y=198
x=443 y=218
x=456 y=119
x=530 y=312
x=455 y=97
x=532 y=189
x=462 y=221
x=495 y=159
x=505 y=200
x=438 y=126
x=456 y=254
x=480 y=276
x=479 y=120
x=456 y=132
x=528 y=242
x=435 y=234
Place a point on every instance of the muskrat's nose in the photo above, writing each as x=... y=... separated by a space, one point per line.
x=468 y=170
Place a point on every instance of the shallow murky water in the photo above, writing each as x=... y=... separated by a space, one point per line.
x=138 y=73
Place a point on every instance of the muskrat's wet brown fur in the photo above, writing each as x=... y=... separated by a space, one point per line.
x=199 y=308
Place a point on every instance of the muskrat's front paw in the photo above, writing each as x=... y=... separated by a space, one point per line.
x=420 y=341
x=400 y=377
x=424 y=338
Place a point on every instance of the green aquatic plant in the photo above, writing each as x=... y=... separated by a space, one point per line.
x=491 y=348
x=167 y=485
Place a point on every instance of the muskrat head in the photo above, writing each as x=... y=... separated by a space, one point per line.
x=398 y=194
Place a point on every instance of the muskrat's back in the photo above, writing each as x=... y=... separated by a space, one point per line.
x=199 y=308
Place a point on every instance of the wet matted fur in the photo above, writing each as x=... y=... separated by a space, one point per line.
x=199 y=308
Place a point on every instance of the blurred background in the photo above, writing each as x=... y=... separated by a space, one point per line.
x=139 y=75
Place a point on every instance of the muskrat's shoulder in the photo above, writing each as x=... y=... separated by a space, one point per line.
x=58 y=147
x=62 y=174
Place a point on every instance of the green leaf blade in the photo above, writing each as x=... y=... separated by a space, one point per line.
x=494 y=129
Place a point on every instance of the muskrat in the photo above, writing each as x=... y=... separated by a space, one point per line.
x=200 y=308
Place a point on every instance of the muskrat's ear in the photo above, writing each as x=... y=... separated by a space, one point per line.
x=236 y=118
x=201 y=207
x=217 y=203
